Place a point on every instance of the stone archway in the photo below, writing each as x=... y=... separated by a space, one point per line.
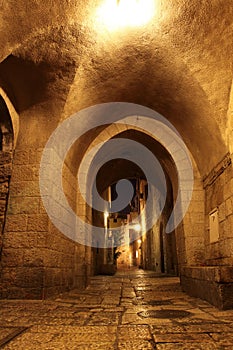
x=189 y=235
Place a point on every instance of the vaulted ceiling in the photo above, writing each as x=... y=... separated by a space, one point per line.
x=180 y=64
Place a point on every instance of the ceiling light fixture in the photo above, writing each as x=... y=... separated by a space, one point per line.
x=118 y=14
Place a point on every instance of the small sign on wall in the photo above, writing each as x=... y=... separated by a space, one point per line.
x=214 y=225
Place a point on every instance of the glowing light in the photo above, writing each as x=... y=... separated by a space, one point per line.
x=106 y=215
x=137 y=228
x=125 y=13
x=136 y=254
x=139 y=241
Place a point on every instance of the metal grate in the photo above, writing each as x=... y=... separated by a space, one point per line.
x=164 y=313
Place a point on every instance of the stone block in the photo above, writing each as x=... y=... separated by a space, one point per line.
x=2 y=205
x=6 y=170
x=53 y=277
x=229 y=206
x=214 y=284
x=206 y=290
x=8 y=276
x=21 y=157
x=198 y=196
x=22 y=173
x=23 y=205
x=224 y=274
x=29 y=278
x=16 y=223
x=34 y=257
x=228 y=174
x=5 y=158
x=25 y=189
x=12 y=257
x=213 y=251
x=20 y=239
x=227 y=190
x=226 y=247
x=35 y=156
x=226 y=230
x=37 y=222
x=41 y=239
x=53 y=291
x=52 y=258
x=222 y=212
x=4 y=187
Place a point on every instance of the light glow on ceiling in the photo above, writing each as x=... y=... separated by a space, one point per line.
x=120 y=14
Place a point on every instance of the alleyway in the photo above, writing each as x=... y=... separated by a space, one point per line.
x=132 y=310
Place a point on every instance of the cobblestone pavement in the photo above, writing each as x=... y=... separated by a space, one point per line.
x=132 y=310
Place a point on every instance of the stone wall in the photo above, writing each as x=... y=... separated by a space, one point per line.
x=190 y=233
x=158 y=247
x=37 y=260
x=5 y=174
x=212 y=283
x=212 y=279
x=219 y=195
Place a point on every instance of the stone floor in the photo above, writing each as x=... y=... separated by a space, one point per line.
x=132 y=310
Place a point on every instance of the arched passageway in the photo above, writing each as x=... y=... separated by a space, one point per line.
x=151 y=248
x=178 y=64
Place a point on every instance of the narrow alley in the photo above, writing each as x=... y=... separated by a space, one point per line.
x=134 y=309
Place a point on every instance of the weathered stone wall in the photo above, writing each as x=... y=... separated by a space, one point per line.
x=190 y=233
x=37 y=260
x=212 y=279
x=5 y=174
x=27 y=248
x=219 y=194
x=212 y=283
x=159 y=251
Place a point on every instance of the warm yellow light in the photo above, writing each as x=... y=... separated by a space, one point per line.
x=139 y=241
x=125 y=13
x=106 y=215
x=137 y=227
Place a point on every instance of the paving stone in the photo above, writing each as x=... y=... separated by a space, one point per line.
x=104 y=318
x=182 y=346
x=73 y=330
x=223 y=338
x=63 y=342
x=160 y=329
x=94 y=318
x=134 y=332
x=137 y=345
x=182 y=337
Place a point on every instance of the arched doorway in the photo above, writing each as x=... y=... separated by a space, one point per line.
x=146 y=250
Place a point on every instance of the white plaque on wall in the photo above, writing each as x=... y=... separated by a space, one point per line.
x=214 y=225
